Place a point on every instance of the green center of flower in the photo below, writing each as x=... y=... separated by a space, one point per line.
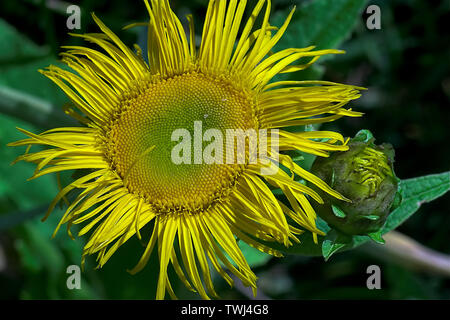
x=167 y=120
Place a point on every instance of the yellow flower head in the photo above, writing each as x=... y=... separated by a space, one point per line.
x=131 y=111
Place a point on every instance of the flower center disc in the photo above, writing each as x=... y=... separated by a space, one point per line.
x=150 y=119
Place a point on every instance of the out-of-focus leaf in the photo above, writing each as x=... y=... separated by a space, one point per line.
x=321 y=23
x=13 y=179
x=12 y=219
x=24 y=92
x=254 y=257
x=17 y=48
x=44 y=261
x=20 y=60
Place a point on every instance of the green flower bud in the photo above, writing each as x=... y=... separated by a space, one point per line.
x=364 y=174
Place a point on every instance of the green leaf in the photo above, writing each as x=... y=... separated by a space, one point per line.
x=397 y=200
x=416 y=192
x=333 y=242
x=13 y=219
x=44 y=258
x=18 y=48
x=338 y=211
x=321 y=23
x=377 y=237
x=24 y=92
x=363 y=136
x=19 y=64
x=254 y=257
x=13 y=182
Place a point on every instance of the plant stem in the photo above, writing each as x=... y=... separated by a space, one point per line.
x=407 y=252
x=32 y=109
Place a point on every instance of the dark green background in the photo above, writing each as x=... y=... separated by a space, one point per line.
x=405 y=66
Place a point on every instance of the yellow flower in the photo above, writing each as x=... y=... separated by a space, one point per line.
x=131 y=109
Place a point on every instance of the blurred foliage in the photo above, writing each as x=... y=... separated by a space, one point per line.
x=404 y=65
